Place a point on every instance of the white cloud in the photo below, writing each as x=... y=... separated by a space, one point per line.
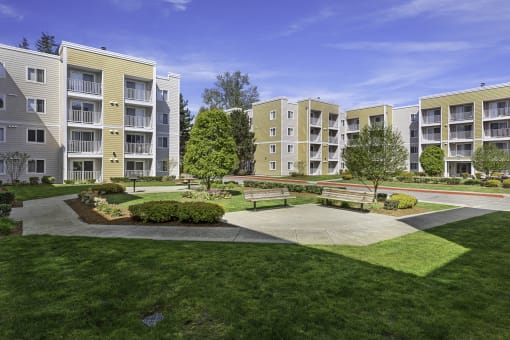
x=409 y=46
x=179 y=5
x=10 y=12
x=303 y=23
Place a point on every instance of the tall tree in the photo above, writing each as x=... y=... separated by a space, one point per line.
x=24 y=44
x=15 y=162
x=488 y=158
x=211 y=150
x=432 y=160
x=377 y=154
x=46 y=44
x=231 y=90
x=244 y=139
x=185 y=119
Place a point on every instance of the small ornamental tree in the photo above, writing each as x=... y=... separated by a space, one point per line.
x=377 y=154
x=432 y=160
x=488 y=158
x=14 y=163
x=211 y=150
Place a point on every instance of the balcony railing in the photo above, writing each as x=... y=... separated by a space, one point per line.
x=138 y=148
x=138 y=121
x=352 y=127
x=332 y=171
x=84 y=175
x=80 y=146
x=315 y=155
x=461 y=134
x=136 y=94
x=315 y=121
x=315 y=171
x=432 y=137
x=84 y=117
x=83 y=86
x=315 y=138
x=496 y=133
x=333 y=155
x=129 y=173
x=333 y=139
x=333 y=124
x=497 y=112
x=457 y=116
x=461 y=153
x=431 y=119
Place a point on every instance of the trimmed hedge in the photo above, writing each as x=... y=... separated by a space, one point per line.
x=430 y=180
x=471 y=182
x=404 y=201
x=492 y=183
x=48 y=179
x=313 y=189
x=506 y=183
x=391 y=204
x=7 y=197
x=109 y=188
x=168 y=211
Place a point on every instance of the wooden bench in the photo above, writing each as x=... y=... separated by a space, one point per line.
x=336 y=194
x=189 y=180
x=255 y=195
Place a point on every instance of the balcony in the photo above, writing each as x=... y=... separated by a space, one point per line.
x=138 y=121
x=315 y=138
x=83 y=176
x=497 y=112
x=431 y=137
x=82 y=86
x=84 y=117
x=461 y=153
x=315 y=121
x=498 y=133
x=315 y=155
x=460 y=116
x=333 y=139
x=352 y=127
x=333 y=155
x=80 y=146
x=138 y=94
x=138 y=148
x=129 y=173
x=461 y=134
x=333 y=124
x=435 y=119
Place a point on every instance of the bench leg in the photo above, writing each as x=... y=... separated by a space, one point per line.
x=285 y=202
x=254 y=206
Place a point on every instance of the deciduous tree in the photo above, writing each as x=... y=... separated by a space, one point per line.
x=244 y=139
x=14 y=162
x=231 y=90
x=488 y=158
x=432 y=160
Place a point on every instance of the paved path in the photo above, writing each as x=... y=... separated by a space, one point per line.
x=303 y=224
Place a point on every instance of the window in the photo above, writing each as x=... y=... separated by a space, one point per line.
x=414 y=166
x=36 y=105
x=272 y=132
x=2 y=134
x=35 y=135
x=35 y=166
x=290 y=131
x=163 y=165
x=162 y=142
x=413 y=133
x=414 y=117
x=2 y=70
x=2 y=167
x=272 y=148
x=272 y=115
x=290 y=148
x=290 y=165
x=414 y=149
x=163 y=118
x=290 y=114
x=2 y=102
x=343 y=122
x=272 y=165
x=36 y=75
x=163 y=95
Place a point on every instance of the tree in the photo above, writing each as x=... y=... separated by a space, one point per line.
x=24 y=44
x=14 y=163
x=432 y=160
x=377 y=154
x=185 y=119
x=488 y=158
x=46 y=43
x=211 y=150
x=244 y=139
x=231 y=90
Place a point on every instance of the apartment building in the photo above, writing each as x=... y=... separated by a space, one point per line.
x=104 y=113
x=290 y=137
x=459 y=122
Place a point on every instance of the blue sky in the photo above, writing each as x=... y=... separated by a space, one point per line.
x=354 y=53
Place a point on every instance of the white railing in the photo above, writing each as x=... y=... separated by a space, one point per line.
x=138 y=121
x=461 y=153
x=84 y=175
x=84 y=117
x=138 y=148
x=497 y=112
x=333 y=155
x=315 y=155
x=136 y=94
x=352 y=127
x=456 y=116
x=332 y=171
x=315 y=121
x=83 y=86
x=315 y=138
x=315 y=171
x=84 y=146
x=333 y=124
x=435 y=137
x=431 y=119
x=333 y=139
x=495 y=133
x=129 y=173
x=461 y=134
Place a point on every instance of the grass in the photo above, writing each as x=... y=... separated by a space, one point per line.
x=7 y=225
x=29 y=192
x=450 y=282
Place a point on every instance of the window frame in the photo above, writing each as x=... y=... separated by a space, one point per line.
x=4 y=100
x=272 y=132
x=36 y=160
x=2 y=167
x=290 y=165
x=162 y=138
x=289 y=147
x=290 y=115
x=36 y=130
x=272 y=115
x=289 y=129
x=35 y=99
x=5 y=133
x=161 y=120
x=413 y=147
x=272 y=148
x=35 y=69
x=272 y=165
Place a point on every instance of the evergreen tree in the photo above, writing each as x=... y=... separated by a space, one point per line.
x=24 y=44
x=232 y=90
x=46 y=44
x=184 y=125
x=245 y=141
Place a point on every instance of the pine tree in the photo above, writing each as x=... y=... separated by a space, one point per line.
x=46 y=44
x=245 y=141
x=24 y=44
x=184 y=125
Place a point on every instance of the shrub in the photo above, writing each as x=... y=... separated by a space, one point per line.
x=109 y=188
x=109 y=209
x=381 y=197
x=7 y=197
x=471 y=181
x=465 y=175
x=404 y=201
x=200 y=212
x=506 y=183
x=119 y=179
x=5 y=210
x=88 y=196
x=346 y=175
x=33 y=180
x=478 y=175
x=432 y=160
x=69 y=181
x=492 y=183
x=391 y=204
x=48 y=179
x=157 y=211
x=6 y=225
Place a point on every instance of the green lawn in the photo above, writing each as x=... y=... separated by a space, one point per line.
x=29 y=192
x=451 y=282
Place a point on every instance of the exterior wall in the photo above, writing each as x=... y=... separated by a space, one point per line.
x=16 y=89
x=287 y=140
x=403 y=122
x=364 y=113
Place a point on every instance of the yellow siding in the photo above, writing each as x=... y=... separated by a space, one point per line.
x=364 y=114
x=262 y=124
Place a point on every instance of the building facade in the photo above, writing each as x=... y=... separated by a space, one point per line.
x=96 y=114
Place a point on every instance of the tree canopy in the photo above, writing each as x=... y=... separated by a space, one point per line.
x=46 y=44
x=377 y=154
x=185 y=119
x=488 y=158
x=231 y=90
x=211 y=150
x=432 y=160
x=24 y=44
x=244 y=139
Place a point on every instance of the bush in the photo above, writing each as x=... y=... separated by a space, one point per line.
x=167 y=211
x=33 y=180
x=432 y=160
x=404 y=201
x=5 y=210
x=506 y=183
x=200 y=212
x=492 y=183
x=48 y=179
x=69 y=181
x=471 y=182
x=109 y=209
x=88 y=196
x=478 y=175
x=7 y=225
x=346 y=175
x=313 y=189
x=7 y=197
x=109 y=188
x=391 y=204
x=465 y=175
x=207 y=195
x=381 y=197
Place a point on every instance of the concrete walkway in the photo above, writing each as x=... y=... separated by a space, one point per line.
x=303 y=224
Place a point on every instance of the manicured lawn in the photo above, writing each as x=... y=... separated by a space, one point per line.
x=236 y=203
x=451 y=282
x=29 y=192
